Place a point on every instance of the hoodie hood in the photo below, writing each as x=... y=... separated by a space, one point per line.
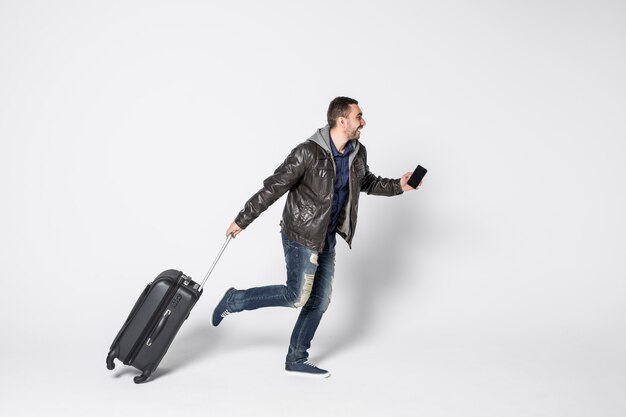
x=322 y=138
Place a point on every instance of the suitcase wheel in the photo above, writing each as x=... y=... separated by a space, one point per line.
x=143 y=377
x=110 y=357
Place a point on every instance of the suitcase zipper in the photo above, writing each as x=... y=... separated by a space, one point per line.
x=149 y=329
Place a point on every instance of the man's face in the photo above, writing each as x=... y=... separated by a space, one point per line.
x=354 y=122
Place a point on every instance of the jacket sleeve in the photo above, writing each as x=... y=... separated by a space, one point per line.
x=284 y=178
x=371 y=184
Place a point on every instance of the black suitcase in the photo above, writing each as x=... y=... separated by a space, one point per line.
x=155 y=320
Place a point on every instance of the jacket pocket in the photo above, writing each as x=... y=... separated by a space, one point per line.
x=303 y=212
x=322 y=181
x=359 y=168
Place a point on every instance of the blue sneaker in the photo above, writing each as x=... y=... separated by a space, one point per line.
x=306 y=369
x=221 y=310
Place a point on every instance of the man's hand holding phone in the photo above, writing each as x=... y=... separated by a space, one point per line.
x=413 y=180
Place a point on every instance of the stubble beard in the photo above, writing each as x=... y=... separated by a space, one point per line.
x=356 y=135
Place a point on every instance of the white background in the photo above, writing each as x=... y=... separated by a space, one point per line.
x=132 y=133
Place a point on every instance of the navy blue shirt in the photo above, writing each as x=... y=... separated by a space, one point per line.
x=342 y=188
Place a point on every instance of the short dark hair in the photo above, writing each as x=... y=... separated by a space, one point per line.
x=339 y=107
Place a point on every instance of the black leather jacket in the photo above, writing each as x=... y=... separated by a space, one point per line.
x=308 y=173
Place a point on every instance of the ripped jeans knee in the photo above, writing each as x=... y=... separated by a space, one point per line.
x=305 y=291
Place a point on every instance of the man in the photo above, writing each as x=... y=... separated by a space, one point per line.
x=324 y=176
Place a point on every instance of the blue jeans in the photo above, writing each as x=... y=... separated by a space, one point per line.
x=309 y=286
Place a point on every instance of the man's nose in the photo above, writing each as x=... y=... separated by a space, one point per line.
x=363 y=122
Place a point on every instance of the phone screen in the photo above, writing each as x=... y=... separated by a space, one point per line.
x=418 y=176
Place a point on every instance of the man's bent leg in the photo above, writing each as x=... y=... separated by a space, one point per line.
x=301 y=265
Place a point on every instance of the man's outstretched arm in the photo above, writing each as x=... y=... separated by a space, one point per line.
x=275 y=186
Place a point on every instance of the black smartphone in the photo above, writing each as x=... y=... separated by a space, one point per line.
x=417 y=177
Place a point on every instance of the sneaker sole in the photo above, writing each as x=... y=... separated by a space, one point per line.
x=307 y=374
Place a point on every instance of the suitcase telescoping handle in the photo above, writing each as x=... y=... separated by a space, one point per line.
x=219 y=255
